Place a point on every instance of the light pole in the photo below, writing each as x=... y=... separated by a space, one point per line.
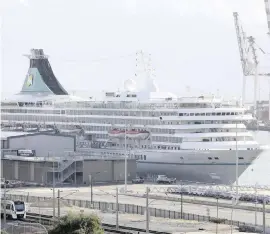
x=58 y=203
x=217 y=217
x=147 y=210
x=237 y=163
x=256 y=204
x=53 y=181
x=125 y=156
x=117 y=210
x=264 y=218
x=5 y=214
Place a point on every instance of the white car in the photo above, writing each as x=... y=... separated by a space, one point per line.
x=163 y=179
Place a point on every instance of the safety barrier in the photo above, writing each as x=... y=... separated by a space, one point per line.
x=130 y=209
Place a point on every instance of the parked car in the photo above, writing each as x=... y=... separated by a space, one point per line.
x=138 y=180
x=162 y=179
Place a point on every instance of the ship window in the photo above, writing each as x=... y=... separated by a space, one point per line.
x=144 y=157
x=180 y=114
x=197 y=114
x=240 y=158
x=191 y=114
x=209 y=158
x=213 y=113
x=218 y=113
x=216 y=158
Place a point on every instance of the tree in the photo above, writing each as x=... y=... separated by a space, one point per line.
x=78 y=224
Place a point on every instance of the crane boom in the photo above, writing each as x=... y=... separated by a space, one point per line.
x=241 y=44
x=267 y=10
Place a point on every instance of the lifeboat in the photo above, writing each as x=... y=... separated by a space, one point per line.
x=138 y=134
x=116 y=133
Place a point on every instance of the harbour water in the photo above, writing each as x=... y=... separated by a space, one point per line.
x=259 y=171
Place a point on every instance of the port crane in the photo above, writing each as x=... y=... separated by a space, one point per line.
x=267 y=10
x=249 y=59
x=247 y=45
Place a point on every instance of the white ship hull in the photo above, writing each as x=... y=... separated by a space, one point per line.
x=222 y=171
x=195 y=166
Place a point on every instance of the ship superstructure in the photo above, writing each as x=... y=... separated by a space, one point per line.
x=191 y=138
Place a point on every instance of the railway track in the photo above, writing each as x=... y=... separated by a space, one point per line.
x=47 y=220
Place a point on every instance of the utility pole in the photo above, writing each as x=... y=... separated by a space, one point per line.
x=181 y=205
x=147 y=210
x=237 y=161
x=181 y=202
x=75 y=174
x=125 y=156
x=256 y=204
x=58 y=203
x=91 y=179
x=217 y=218
x=91 y=187
x=264 y=229
x=117 y=210
x=5 y=213
x=53 y=192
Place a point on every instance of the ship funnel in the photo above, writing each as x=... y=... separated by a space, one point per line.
x=40 y=77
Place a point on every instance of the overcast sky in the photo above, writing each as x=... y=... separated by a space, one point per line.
x=191 y=42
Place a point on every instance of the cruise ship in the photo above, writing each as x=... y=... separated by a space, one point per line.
x=191 y=138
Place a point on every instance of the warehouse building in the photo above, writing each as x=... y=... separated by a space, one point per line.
x=46 y=158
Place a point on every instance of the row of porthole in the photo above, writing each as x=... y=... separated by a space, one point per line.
x=217 y=158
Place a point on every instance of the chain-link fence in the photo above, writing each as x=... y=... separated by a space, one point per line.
x=24 y=228
x=124 y=208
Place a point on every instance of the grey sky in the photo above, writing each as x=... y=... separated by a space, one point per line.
x=192 y=42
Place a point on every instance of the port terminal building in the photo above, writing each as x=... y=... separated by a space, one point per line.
x=53 y=158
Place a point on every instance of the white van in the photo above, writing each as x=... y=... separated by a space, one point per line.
x=14 y=209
